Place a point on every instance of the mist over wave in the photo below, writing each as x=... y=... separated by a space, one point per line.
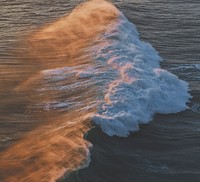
x=87 y=66
x=58 y=96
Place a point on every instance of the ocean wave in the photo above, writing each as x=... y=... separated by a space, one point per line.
x=131 y=86
x=90 y=65
x=141 y=88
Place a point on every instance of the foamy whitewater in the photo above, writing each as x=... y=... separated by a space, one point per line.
x=88 y=68
x=137 y=88
x=132 y=86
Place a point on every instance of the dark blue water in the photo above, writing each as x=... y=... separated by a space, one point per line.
x=166 y=149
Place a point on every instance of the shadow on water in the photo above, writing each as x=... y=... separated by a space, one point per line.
x=164 y=150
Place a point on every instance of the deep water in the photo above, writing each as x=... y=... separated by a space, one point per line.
x=43 y=120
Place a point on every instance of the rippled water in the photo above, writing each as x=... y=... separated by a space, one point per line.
x=166 y=149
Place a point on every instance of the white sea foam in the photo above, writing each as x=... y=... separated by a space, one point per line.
x=136 y=87
x=132 y=87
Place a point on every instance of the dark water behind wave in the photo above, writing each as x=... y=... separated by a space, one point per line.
x=167 y=149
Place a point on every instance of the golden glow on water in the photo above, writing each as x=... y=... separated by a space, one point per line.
x=56 y=146
x=67 y=38
x=49 y=151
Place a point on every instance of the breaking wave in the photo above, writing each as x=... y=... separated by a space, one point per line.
x=88 y=66
x=136 y=87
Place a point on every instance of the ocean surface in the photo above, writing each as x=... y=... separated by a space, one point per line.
x=100 y=92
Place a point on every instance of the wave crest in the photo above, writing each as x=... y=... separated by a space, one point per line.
x=139 y=88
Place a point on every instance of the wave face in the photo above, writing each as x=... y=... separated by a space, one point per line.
x=87 y=66
x=136 y=87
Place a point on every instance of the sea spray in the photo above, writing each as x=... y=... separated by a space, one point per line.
x=88 y=65
x=60 y=94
